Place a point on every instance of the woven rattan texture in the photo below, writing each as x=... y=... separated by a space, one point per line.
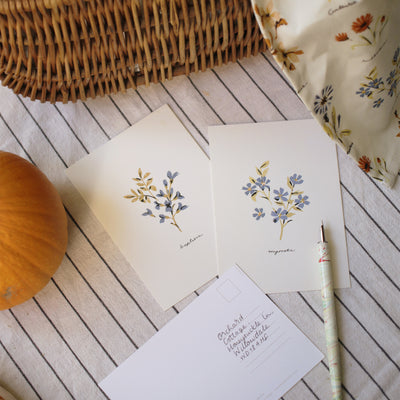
x=65 y=50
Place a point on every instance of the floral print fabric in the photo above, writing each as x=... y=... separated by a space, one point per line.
x=343 y=58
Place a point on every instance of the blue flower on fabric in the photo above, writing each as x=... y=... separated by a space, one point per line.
x=392 y=89
x=364 y=91
x=390 y=79
x=148 y=212
x=296 y=179
x=301 y=201
x=374 y=84
x=262 y=182
x=157 y=204
x=165 y=183
x=322 y=102
x=259 y=213
x=396 y=55
x=161 y=194
x=249 y=189
x=162 y=218
x=378 y=102
x=171 y=175
x=281 y=195
x=279 y=214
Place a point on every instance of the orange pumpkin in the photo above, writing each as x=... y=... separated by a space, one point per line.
x=33 y=230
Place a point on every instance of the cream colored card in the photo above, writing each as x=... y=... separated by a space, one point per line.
x=273 y=184
x=231 y=343
x=150 y=188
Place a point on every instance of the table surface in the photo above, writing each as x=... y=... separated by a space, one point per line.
x=95 y=311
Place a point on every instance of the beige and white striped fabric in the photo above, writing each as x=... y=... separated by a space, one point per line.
x=95 y=312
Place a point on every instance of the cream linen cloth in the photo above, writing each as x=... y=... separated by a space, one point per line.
x=343 y=58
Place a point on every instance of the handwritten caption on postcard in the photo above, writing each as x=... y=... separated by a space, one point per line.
x=281 y=251
x=242 y=337
x=190 y=241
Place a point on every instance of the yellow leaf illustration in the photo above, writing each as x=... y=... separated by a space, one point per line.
x=345 y=132
x=334 y=117
x=328 y=130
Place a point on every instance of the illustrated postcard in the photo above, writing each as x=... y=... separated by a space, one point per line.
x=231 y=343
x=273 y=184
x=150 y=188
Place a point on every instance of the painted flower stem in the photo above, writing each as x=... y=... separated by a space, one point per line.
x=175 y=223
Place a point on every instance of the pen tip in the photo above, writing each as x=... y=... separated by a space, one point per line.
x=322 y=232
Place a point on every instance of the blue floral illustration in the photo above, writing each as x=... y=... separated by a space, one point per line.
x=396 y=55
x=171 y=175
x=375 y=83
x=330 y=119
x=262 y=183
x=322 y=102
x=378 y=102
x=296 y=179
x=181 y=207
x=279 y=214
x=364 y=91
x=281 y=195
x=168 y=205
x=259 y=213
x=375 y=87
x=301 y=201
x=249 y=189
x=165 y=199
x=148 y=212
x=391 y=78
x=283 y=202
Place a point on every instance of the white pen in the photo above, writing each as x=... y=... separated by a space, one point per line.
x=328 y=305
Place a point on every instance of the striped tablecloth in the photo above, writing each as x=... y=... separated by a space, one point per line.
x=95 y=312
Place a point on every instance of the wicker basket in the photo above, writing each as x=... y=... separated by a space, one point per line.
x=65 y=50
